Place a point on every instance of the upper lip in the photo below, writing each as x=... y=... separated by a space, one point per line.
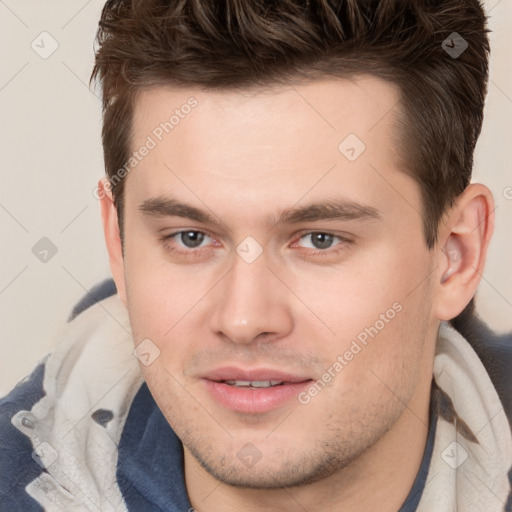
x=253 y=374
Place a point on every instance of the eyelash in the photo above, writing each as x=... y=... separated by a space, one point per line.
x=196 y=252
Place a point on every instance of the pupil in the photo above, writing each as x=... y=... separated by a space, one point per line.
x=322 y=240
x=192 y=236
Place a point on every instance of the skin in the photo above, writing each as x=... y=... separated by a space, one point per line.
x=245 y=157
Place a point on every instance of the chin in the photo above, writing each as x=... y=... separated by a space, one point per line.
x=295 y=470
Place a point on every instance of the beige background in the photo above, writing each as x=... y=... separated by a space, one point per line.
x=51 y=160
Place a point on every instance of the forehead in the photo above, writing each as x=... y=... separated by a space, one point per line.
x=268 y=117
x=246 y=148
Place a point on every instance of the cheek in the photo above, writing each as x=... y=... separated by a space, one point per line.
x=378 y=314
x=352 y=296
x=374 y=364
x=164 y=304
x=156 y=290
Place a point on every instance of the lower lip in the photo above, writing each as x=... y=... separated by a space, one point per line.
x=254 y=400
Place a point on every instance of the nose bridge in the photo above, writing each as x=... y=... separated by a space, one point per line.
x=250 y=302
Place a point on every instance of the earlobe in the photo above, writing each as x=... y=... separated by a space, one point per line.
x=112 y=236
x=463 y=244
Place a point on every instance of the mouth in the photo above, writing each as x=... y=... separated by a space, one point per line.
x=253 y=383
x=253 y=391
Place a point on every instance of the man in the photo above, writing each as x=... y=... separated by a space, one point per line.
x=291 y=227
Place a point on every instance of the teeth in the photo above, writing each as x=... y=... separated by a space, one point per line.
x=254 y=383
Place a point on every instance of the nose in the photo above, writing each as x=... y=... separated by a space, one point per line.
x=251 y=304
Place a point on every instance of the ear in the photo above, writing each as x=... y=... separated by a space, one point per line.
x=112 y=236
x=463 y=240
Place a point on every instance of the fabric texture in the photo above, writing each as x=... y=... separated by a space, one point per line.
x=83 y=433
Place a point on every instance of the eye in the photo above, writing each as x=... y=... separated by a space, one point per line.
x=186 y=242
x=191 y=239
x=193 y=242
x=322 y=241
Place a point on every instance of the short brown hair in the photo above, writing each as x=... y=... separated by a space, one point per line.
x=228 y=44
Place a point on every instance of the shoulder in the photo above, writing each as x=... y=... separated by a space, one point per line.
x=17 y=466
x=494 y=350
x=18 y=463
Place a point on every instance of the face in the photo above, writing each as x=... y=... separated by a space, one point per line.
x=274 y=239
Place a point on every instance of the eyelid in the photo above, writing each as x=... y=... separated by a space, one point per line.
x=323 y=232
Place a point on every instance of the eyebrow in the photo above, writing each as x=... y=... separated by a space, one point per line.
x=326 y=210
